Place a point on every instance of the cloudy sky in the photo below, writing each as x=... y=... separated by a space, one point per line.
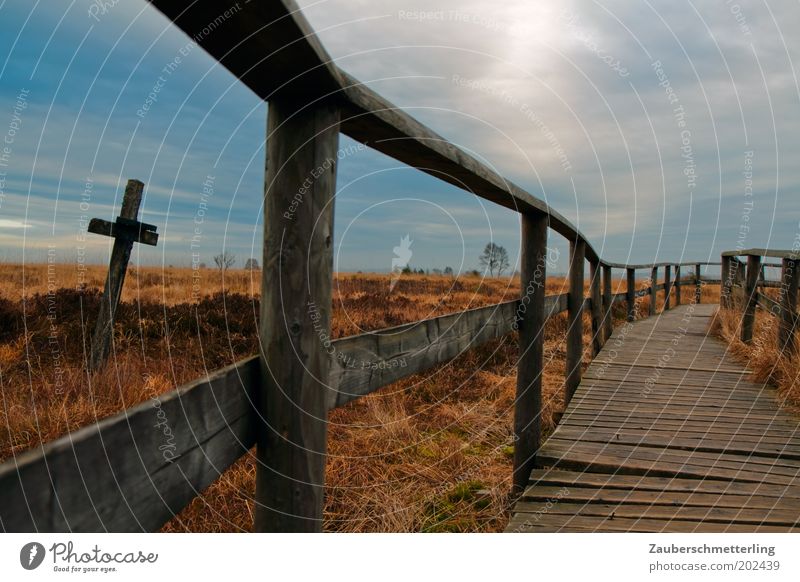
x=664 y=130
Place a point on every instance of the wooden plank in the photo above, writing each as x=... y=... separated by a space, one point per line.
x=595 y=463
x=703 y=442
x=541 y=493
x=363 y=363
x=574 y=340
x=542 y=522
x=667 y=287
x=755 y=517
x=528 y=403
x=295 y=310
x=637 y=482
x=748 y=463
x=121 y=230
x=136 y=470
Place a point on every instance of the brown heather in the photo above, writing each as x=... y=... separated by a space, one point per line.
x=429 y=453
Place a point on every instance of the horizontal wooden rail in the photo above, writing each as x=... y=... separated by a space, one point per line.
x=136 y=470
x=361 y=364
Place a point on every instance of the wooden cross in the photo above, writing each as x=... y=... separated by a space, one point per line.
x=126 y=230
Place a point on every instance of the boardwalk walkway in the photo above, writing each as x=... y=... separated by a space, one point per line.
x=667 y=434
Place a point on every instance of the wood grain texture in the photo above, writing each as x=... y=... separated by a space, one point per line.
x=750 y=297
x=575 y=303
x=788 y=306
x=608 y=302
x=530 y=366
x=596 y=296
x=136 y=470
x=630 y=294
x=653 y=290
x=295 y=316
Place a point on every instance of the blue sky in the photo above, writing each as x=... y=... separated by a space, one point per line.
x=568 y=99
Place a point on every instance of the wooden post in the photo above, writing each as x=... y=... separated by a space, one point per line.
x=698 y=285
x=608 y=302
x=577 y=252
x=597 y=307
x=528 y=404
x=726 y=282
x=126 y=231
x=750 y=297
x=653 y=291
x=677 y=285
x=667 y=285
x=295 y=316
x=739 y=290
x=788 y=301
x=631 y=294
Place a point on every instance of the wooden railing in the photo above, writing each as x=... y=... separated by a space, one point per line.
x=748 y=276
x=116 y=475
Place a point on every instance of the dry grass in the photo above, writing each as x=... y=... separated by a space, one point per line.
x=767 y=363
x=429 y=453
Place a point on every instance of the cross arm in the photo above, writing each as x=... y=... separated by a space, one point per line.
x=124 y=228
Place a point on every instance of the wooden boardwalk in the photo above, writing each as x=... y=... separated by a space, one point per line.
x=667 y=434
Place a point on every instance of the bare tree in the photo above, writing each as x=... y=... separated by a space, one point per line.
x=251 y=265
x=494 y=259
x=225 y=260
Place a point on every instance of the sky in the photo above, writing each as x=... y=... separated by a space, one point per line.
x=663 y=130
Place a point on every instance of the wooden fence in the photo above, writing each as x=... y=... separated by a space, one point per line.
x=747 y=276
x=114 y=475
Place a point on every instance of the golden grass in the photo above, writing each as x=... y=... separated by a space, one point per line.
x=762 y=356
x=429 y=453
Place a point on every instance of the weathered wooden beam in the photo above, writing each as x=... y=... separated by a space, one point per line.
x=295 y=316
x=777 y=254
x=788 y=304
x=630 y=294
x=595 y=283
x=653 y=290
x=269 y=46
x=750 y=298
x=136 y=470
x=530 y=366
x=132 y=230
x=726 y=282
x=677 y=285
x=667 y=286
x=698 y=285
x=608 y=302
x=577 y=258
